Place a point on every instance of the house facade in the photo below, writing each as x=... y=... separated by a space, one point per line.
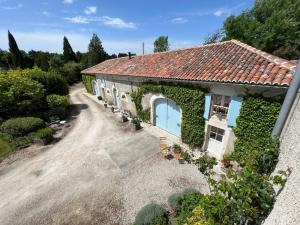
x=228 y=70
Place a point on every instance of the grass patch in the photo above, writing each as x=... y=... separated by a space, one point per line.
x=4 y=147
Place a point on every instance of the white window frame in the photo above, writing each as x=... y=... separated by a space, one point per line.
x=220 y=110
x=218 y=132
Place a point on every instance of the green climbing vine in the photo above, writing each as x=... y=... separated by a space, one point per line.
x=191 y=101
x=254 y=146
x=87 y=81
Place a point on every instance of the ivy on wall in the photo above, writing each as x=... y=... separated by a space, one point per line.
x=87 y=81
x=191 y=101
x=254 y=146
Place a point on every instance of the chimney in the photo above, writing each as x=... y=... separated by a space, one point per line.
x=129 y=55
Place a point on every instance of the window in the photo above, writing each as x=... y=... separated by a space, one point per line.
x=216 y=133
x=220 y=104
x=123 y=97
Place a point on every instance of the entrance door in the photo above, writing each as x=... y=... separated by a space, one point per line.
x=167 y=116
x=215 y=142
x=95 y=88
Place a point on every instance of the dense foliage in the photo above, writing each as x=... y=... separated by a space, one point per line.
x=191 y=101
x=197 y=217
x=68 y=52
x=21 y=126
x=52 y=81
x=16 y=55
x=254 y=146
x=87 y=81
x=57 y=105
x=186 y=202
x=271 y=25
x=161 y=44
x=96 y=53
x=19 y=95
x=152 y=214
x=45 y=134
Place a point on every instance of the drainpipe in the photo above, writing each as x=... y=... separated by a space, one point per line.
x=287 y=103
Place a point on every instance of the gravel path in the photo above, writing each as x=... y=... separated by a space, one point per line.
x=100 y=173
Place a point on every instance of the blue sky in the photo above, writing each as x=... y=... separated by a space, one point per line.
x=121 y=25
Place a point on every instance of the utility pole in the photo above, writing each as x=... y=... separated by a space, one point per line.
x=143 y=48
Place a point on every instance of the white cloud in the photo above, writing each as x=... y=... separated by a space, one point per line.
x=78 y=19
x=105 y=20
x=179 y=20
x=68 y=1
x=117 y=22
x=219 y=12
x=46 y=13
x=90 y=10
x=18 y=6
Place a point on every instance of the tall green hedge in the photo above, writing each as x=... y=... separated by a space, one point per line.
x=87 y=81
x=254 y=146
x=191 y=101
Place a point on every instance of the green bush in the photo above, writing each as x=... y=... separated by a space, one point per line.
x=87 y=81
x=57 y=105
x=19 y=95
x=152 y=214
x=254 y=146
x=45 y=134
x=22 y=126
x=145 y=114
x=189 y=199
x=71 y=72
x=5 y=147
x=173 y=200
x=52 y=81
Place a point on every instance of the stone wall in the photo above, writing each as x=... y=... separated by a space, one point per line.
x=286 y=210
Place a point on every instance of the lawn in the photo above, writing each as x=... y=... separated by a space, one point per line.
x=4 y=147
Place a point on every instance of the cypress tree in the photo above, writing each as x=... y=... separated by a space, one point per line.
x=16 y=55
x=96 y=53
x=68 y=54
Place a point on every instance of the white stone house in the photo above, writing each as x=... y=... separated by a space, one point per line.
x=229 y=70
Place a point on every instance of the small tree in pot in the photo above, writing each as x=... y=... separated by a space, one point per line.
x=136 y=122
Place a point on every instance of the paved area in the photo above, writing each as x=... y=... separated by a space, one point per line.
x=100 y=173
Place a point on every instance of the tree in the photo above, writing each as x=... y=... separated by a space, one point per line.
x=214 y=37
x=271 y=25
x=96 y=53
x=16 y=55
x=161 y=44
x=68 y=54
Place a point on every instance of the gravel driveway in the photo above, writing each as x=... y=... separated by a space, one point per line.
x=100 y=173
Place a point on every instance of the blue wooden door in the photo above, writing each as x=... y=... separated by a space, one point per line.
x=167 y=116
x=96 y=92
x=161 y=108
x=173 y=120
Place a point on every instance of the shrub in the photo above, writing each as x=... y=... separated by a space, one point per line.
x=205 y=164
x=52 y=81
x=45 y=134
x=18 y=127
x=71 y=72
x=173 y=200
x=189 y=199
x=197 y=217
x=145 y=114
x=57 y=105
x=87 y=81
x=5 y=148
x=19 y=95
x=152 y=214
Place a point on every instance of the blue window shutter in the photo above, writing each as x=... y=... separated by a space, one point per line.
x=234 y=110
x=207 y=105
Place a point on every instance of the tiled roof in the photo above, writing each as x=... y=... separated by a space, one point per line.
x=229 y=62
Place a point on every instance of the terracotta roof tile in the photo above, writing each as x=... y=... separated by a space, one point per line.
x=229 y=61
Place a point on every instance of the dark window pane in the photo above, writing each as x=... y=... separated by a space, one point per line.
x=212 y=135
x=213 y=129
x=227 y=101
x=219 y=138
x=221 y=131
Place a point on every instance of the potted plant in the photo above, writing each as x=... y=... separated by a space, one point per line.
x=124 y=118
x=99 y=98
x=176 y=148
x=112 y=109
x=105 y=104
x=136 y=122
